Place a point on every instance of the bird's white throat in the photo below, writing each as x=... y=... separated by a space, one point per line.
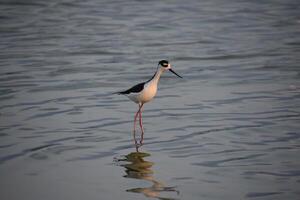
x=157 y=75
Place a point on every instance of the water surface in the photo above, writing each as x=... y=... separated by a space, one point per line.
x=228 y=130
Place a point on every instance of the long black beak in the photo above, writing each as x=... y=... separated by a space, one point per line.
x=171 y=70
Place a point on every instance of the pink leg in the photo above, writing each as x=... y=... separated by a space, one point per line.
x=141 y=124
x=135 y=116
x=134 y=124
x=135 y=141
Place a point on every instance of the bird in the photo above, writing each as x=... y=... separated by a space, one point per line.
x=144 y=92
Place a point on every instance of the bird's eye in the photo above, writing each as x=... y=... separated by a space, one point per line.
x=163 y=63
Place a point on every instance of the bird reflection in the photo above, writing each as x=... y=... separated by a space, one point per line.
x=138 y=168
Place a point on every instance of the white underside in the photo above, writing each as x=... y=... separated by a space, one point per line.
x=146 y=95
x=149 y=91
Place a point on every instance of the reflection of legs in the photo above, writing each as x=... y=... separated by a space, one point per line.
x=141 y=124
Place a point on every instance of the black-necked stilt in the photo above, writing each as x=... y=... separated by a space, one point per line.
x=144 y=92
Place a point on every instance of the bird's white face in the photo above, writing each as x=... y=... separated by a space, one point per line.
x=169 y=66
x=165 y=65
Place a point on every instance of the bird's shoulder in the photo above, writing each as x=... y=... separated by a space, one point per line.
x=134 y=89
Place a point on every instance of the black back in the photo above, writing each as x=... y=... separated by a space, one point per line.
x=135 y=89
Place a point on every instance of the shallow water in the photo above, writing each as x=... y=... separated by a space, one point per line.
x=228 y=130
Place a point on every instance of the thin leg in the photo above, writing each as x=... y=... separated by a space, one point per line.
x=141 y=124
x=134 y=124
x=141 y=119
x=136 y=114
x=135 y=141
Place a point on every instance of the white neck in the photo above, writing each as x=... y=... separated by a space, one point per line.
x=157 y=75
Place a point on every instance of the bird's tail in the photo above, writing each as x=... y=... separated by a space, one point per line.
x=118 y=93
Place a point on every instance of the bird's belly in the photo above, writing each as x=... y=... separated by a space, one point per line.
x=147 y=94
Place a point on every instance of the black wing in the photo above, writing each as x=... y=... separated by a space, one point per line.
x=135 y=89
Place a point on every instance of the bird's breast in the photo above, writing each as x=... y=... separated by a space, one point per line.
x=148 y=93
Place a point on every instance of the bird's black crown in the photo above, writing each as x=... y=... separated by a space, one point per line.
x=163 y=63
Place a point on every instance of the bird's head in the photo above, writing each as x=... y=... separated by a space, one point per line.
x=164 y=64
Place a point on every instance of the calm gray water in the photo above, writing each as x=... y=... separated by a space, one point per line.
x=228 y=130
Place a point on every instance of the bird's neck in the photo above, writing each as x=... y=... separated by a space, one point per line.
x=157 y=75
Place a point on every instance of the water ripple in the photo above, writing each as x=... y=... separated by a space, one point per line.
x=262 y=194
x=233 y=118
x=9 y=157
x=223 y=162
